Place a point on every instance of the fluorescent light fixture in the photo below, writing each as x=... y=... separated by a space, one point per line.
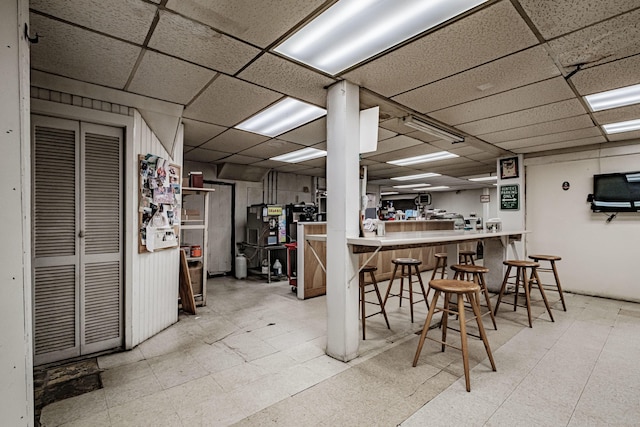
x=300 y=155
x=411 y=185
x=484 y=178
x=422 y=126
x=614 y=98
x=388 y=193
x=441 y=187
x=352 y=31
x=281 y=117
x=441 y=155
x=419 y=176
x=620 y=127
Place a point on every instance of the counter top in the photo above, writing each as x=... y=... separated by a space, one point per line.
x=421 y=237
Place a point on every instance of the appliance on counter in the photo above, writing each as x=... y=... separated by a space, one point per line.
x=302 y=212
x=494 y=224
x=266 y=225
x=474 y=223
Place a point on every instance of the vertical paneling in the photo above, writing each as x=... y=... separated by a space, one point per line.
x=155 y=275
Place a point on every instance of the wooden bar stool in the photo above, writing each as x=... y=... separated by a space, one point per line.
x=477 y=273
x=441 y=264
x=466 y=257
x=405 y=271
x=521 y=279
x=552 y=260
x=370 y=269
x=461 y=289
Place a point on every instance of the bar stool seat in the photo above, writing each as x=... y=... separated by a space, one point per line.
x=521 y=280
x=477 y=273
x=547 y=286
x=462 y=290
x=406 y=265
x=363 y=285
x=441 y=265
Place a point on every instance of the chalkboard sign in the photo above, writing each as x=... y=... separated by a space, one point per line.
x=510 y=197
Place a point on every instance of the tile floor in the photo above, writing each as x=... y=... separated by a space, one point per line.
x=254 y=356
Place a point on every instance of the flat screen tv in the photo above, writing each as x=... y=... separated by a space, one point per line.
x=616 y=192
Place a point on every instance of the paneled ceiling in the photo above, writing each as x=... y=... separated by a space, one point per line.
x=508 y=75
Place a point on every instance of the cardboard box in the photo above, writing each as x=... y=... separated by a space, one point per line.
x=196 y=179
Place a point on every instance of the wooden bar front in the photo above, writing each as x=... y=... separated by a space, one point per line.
x=312 y=279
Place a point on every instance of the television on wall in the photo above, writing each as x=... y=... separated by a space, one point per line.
x=616 y=192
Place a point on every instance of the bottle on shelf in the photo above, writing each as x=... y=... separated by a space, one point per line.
x=277 y=267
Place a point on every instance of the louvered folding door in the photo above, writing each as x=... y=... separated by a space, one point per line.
x=77 y=173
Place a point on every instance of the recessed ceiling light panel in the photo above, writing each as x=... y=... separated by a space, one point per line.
x=620 y=127
x=352 y=31
x=300 y=155
x=628 y=95
x=411 y=185
x=281 y=117
x=484 y=178
x=419 y=176
x=441 y=155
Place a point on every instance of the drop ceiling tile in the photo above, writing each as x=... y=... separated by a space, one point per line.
x=491 y=33
x=393 y=144
x=242 y=160
x=195 y=132
x=613 y=39
x=563 y=125
x=290 y=167
x=519 y=69
x=269 y=164
x=482 y=157
x=531 y=116
x=228 y=101
x=125 y=19
x=80 y=54
x=234 y=140
x=561 y=145
x=554 y=18
x=315 y=163
x=385 y=134
x=287 y=77
x=522 y=98
x=378 y=167
x=463 y=151
x=551 y=138
x=624 y=136
x=396 y=126
x=163 y=77
x=257 y=22
x=320 y=146
x=181 y=37
x=309 y=134
x=630 y=112
x=203 y=155
x=272 y=148
x=611 y=75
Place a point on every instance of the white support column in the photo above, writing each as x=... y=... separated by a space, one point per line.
x=16 y=359
x=343 y=203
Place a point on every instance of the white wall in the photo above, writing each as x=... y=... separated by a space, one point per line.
x=598 y=258
x=16 y=377
x=464 y=202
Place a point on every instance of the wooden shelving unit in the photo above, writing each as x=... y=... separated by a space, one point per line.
x=194 y=223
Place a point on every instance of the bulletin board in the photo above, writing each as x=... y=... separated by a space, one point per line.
x=158 y=204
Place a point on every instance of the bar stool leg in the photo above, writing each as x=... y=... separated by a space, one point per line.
x=375 y=287
x=515 y=296
x=393 y=276
x=463 y=341
x=479 y=279
x=402 y=274
x=555 y=275
x=527 y=295
x=362 y=304
x=425 y=295
x=410 y=292
x=445 y=317
x=534 y=273
x=475 y=304
x=502 y=288
x=425 y=328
